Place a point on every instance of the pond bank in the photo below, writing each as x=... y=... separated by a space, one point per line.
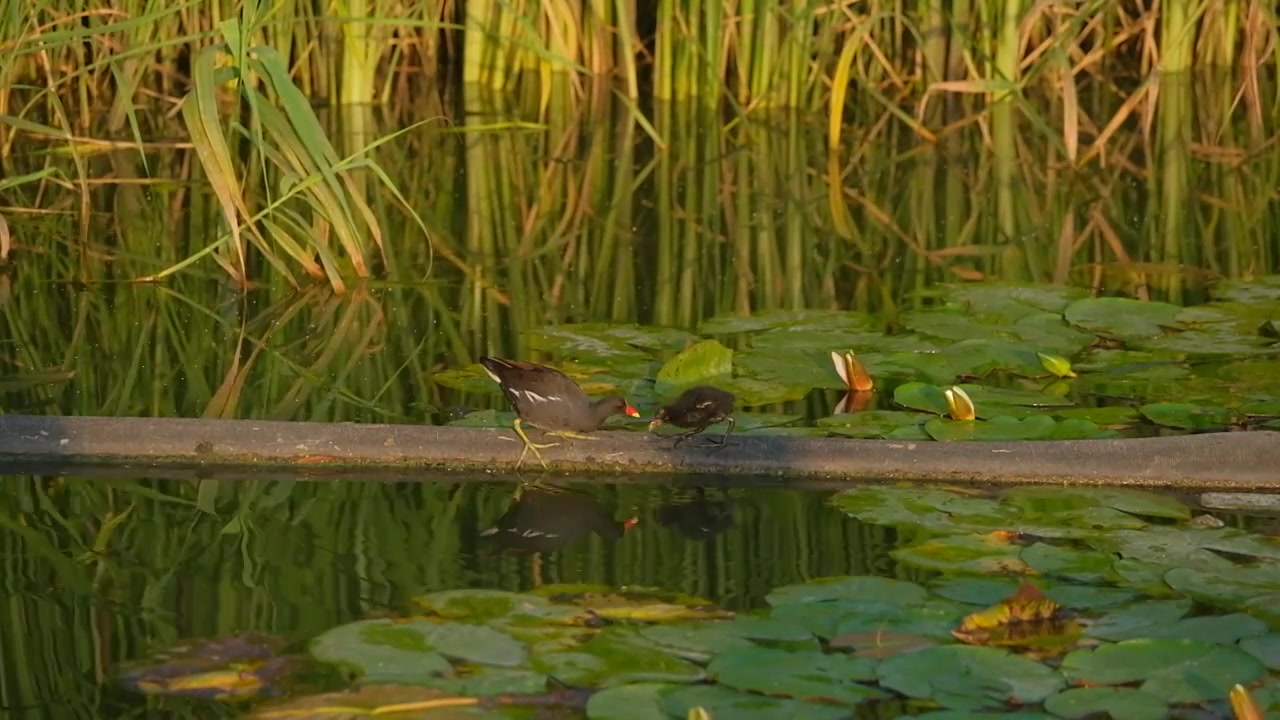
x=1238 y=460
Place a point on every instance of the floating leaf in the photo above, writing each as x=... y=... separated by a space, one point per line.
x=615 y=656
x=801 y=675
x=967 y=677
x=1187 y=416
x=789 y=321
x=379 y=652
x=985 y=554
x=696 y=641
x=1114 y=702
x=872 y=423
x=1266 y=648
x=721 y=703
x=603 y=341
x=480 y=605
x=931 y=508
x=922 y=396
x=1122 y=317
x=1042 y=499
x=996 y=429
x=1181 y=671
x=1134 y=620
x=704 y=362
x=637 y=701
x=880 y=644
x=873 y=588
x=371 y=699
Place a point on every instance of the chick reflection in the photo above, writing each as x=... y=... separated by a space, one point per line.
x=545 y=519
x=699 y=518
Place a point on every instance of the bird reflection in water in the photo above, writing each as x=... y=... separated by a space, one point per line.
x=546 y=518
x=699 y=517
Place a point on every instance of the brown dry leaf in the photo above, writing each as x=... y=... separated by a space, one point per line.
x=1024 y=619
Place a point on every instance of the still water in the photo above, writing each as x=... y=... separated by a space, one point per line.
x=88 y=591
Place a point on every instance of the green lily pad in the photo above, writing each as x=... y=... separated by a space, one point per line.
x=934 y=619
x=1081 y=565
x=751 y=391
x=871 y=588
x=768 y=629
x=1187 y=416
x=870 y=424
x=983 y=357
x=965 y=677
x=721 y=702
x=1134 y=620
x=788 y=367
x=696 y=641
x=1042 y=499
x=1266 y=648
x=615 y=656
x=973 y=590
x=1253 y=291
x=483 y=681
x=1114 y=702
x=983 y=395
x=383 y=650
x=1221 y=629
x=705 y=362
x=979 y=715
x=800 y=675
x=1010 y=301
x=1109 y=415
x=1088 y=597
x=1173 y=546
x=997 y=429
x=1122 y=317
x=981 y=554
x=937 y=510
x=471 y=379
x=478 y=605
x=637 y=701
x=921 y=396
x=1181 y=671
x=1227 y=585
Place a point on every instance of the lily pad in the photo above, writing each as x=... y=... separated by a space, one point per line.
x=615 y=656
x=1181 y=671
x=988 y=554
x=1043 y=499
x=386 y=651
x=921 y=396
x=870 y=588
x=479 y=605
x=721 y=702
x=966 y=677
x=1135 y=620
x=601 y=340
x=637 y=701
x=871 y=424
x=801 y=675
x=997 y=429
x=1266 y=648
x=1114 y=702
x=1123 y=317
x=704 y=362
x=937 y=510
x=1187 y=416
x=696 y=641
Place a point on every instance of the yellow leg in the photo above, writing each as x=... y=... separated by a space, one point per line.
x=530 y=445
x=571 y=435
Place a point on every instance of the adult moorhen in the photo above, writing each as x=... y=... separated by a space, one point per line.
x=550 y=401
x=697 y=409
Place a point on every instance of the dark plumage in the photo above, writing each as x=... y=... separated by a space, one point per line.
x=551 y=401
x=697 y=409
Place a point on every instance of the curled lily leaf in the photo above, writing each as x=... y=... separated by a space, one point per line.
x=1056 y=364
x=961 y=405
x=852 y=371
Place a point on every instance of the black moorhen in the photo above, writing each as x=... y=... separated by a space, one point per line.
x=550 y=401
x=697 y=409
x=546 y=519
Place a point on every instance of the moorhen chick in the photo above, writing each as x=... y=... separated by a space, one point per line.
x=546 y=519
x=697 y=409
x=550 y=401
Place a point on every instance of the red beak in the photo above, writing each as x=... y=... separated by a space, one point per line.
x=632 y=411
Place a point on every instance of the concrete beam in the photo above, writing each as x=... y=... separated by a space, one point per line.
x=1235 y=461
